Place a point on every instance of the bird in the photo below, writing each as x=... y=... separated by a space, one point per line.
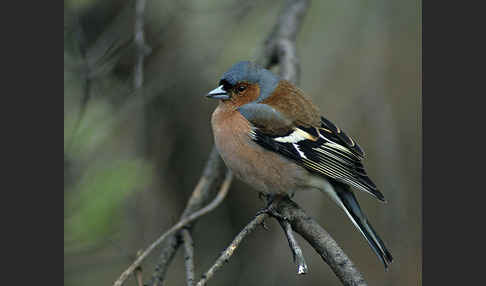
x=272 y=137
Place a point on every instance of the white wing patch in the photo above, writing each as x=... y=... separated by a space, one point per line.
x=295 y=137
x=298 y=150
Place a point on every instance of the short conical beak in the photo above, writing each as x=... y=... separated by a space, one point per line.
x=218 y=93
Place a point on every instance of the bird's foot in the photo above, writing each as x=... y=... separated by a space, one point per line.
x=270 y=209
x=264 y=225
x=262 y=196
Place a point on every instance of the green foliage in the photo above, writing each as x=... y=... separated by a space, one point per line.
x=93 y=130
x=95 y=203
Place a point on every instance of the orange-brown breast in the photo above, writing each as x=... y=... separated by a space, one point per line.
x=264 y=170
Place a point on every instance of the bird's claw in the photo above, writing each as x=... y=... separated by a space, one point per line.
x=271 y=211
x=264 y=225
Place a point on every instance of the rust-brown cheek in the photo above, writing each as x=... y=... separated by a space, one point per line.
x=250 y=94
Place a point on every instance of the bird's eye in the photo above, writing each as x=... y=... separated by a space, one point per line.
x=241 y=88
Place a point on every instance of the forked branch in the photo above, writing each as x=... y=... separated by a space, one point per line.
x=182 y=223
x=279 y=49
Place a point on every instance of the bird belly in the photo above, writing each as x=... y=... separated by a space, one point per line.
x=264 y=170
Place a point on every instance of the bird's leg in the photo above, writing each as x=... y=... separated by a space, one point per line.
x=264 y=225
x=272 y=201
x=261 y=196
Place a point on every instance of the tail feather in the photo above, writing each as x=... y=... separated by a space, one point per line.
x=346 y=199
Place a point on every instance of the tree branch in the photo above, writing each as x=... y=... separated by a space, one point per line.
x=165 y=258
x=186 y=221
x=209 y=181
x=225 y=256
x=298 y=256
x=189 y=256
x=322 y=242
x=138 y=276
x=141 y=47
x=279 y=48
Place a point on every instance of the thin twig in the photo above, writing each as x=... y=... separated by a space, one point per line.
x=138 y=276
x=295 y=247
x=210 y=179
x=138 y=272
x=219 y=198
x=279 y=47
x=188 y=256
x=165 y=258
x=322 y=243
x=225 y=256
x=139 y=39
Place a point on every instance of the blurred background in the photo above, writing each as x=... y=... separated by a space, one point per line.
x=133 y=156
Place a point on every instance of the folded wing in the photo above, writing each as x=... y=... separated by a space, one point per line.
x=324 y=150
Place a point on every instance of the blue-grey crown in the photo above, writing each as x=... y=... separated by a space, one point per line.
x=252 y=73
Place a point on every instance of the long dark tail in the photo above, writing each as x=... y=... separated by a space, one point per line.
x=351 y=206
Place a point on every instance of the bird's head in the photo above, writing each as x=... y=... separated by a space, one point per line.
x=245 y=82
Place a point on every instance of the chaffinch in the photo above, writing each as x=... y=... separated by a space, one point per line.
x=273 y=138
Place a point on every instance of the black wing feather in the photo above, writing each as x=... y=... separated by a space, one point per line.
x=325 y=150
x=338 y=135
x=327 y=155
